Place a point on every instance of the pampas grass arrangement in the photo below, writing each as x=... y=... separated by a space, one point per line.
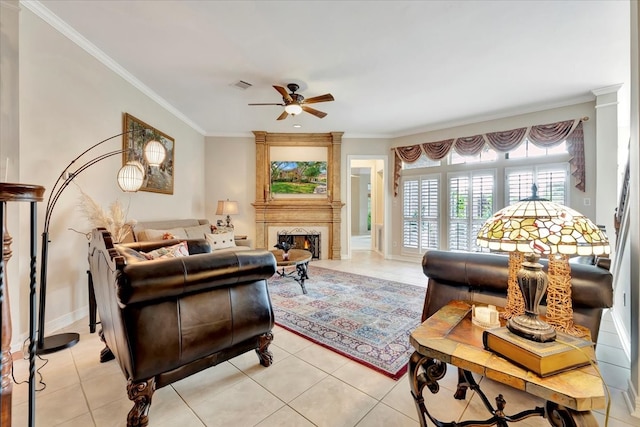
x=114 y=220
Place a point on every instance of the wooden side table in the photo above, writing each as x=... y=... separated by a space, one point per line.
x=449 y=337
x=17 y=193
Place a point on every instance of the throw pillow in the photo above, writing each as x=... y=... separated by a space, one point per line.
x=131 y=254
x=221 y=240
x=151 y=235
x=198 y=231
x=178 y=250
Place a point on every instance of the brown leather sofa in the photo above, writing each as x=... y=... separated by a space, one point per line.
x=166 y=319
x=482 y=278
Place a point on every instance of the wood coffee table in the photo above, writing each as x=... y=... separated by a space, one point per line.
x=449 y=337
x=297 y=257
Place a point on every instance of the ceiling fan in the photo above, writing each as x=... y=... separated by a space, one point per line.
x=294 y=103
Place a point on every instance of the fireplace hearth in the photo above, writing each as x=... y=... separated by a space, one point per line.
x=300 y=238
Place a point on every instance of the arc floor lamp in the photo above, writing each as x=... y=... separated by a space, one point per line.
x=130 y=179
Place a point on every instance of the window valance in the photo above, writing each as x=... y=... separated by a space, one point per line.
x=545 y=136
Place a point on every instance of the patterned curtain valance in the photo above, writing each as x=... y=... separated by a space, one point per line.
x=544 y=136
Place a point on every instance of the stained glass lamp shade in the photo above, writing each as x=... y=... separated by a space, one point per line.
x=539 y=226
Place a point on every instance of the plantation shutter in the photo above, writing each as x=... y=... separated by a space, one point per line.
x=552 y=185
x=459 y=212
x=429 y=195
x=519 y=184
x=552 y=182
x=410 y=208
x=482 y=190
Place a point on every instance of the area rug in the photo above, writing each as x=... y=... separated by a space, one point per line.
x=366 y=319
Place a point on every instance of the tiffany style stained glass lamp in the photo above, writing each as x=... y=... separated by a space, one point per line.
x=535 y=226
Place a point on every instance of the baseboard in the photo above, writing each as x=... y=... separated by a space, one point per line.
x=625 y=336
x=52 y=327
x=632 y=400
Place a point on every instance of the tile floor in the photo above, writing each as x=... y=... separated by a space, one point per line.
x=306 y=386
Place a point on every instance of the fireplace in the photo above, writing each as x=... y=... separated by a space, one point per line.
x=300 y=238
x=320 y=214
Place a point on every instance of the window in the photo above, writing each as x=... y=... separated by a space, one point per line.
x=528 y=149
x=471 y=202
x=422 y=162
x=486 y=155
x=552 y=181
x=420 y=213
x=445 y=207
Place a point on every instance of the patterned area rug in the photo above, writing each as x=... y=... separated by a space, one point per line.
x=366 y=319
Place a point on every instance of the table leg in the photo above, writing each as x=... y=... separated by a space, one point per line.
x=426 y=372
x=299 y=274
x=302 y=269
x=559 y=416
x=92 y=303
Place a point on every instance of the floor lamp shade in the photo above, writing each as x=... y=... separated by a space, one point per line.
x=130 y=178
x=154 y=153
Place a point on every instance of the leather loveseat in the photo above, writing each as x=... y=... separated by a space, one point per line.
x=166 y=319
x=482 y=278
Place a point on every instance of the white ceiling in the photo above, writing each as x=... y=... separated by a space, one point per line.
x=394 y=67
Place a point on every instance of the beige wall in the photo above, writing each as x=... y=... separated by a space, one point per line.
x=231 y=174
x=68 y=102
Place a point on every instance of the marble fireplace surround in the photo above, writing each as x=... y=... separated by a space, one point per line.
x=279 y=213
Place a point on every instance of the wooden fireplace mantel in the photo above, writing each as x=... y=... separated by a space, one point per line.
x=324 y=211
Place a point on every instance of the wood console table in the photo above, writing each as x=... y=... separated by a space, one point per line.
x=17 y=193
x=449 y=337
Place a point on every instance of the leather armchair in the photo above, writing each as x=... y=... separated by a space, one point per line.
x=166 y=319
x=482 y=278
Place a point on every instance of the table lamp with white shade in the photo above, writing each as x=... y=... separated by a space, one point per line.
x=228 y=208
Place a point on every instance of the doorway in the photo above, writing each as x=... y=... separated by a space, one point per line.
x=366 y=210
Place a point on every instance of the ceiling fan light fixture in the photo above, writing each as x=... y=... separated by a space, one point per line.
x=293 y=109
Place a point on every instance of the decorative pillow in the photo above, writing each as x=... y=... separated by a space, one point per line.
x=198 y=231
x=221 y=240
x=150 y=234
x=131 y=254
x=175 y=251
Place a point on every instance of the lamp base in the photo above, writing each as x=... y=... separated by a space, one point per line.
x=57 y=342
x=530 y=326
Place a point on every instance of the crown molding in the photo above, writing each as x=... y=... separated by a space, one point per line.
x=65 y=29
x=10 y=4
x=607 y=89
x=512 y=112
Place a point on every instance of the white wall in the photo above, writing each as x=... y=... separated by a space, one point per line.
x=68 y=102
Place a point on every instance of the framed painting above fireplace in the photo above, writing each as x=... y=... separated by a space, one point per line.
x=299 y=178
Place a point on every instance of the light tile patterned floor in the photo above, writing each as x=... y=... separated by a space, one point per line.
x=306 y=386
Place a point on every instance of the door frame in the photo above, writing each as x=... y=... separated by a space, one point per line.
x=386 y=194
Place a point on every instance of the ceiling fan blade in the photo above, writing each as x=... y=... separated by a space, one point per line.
x=317 y=113
x=282 y=105
x=322 y=98
x=284 y=93
x=283 y=115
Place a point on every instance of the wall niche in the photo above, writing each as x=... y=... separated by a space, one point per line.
x=279 y=206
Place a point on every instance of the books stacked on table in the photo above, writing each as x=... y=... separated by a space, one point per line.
x=544 y=359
